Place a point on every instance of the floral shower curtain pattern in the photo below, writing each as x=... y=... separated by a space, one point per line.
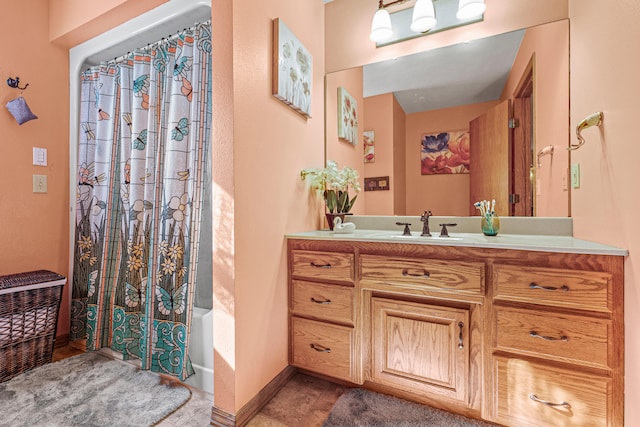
x=144 y=137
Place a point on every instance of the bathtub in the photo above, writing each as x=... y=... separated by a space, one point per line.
x=201 y=349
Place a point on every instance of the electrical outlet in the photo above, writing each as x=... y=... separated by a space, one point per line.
x=575 y=175
x=39 y=183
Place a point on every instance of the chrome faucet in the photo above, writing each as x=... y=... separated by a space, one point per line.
x=425 y=227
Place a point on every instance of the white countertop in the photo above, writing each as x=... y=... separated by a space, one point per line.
x=542 y=243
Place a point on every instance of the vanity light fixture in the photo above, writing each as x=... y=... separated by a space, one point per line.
x=423 y=18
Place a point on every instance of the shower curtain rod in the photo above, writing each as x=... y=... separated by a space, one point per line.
x=168 y=38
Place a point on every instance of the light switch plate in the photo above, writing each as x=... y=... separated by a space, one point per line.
x=39 y=183
x=575 y=175
x=39 y=156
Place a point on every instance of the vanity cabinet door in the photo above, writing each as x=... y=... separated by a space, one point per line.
x=420 y=348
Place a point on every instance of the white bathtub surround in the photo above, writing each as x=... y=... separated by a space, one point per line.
x=201 y=349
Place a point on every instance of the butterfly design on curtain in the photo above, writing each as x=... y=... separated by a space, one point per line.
x=176 y=301
x=141 y=90
x=134 y=296
x=141 y=140
x=187 y=89
x=103 y=115
x=180 y=130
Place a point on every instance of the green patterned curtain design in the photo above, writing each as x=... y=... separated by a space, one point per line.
x=143 y=142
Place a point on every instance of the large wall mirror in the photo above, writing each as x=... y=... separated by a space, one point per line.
x=498 y=104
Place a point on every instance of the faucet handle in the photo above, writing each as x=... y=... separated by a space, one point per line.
x=444 y=232
x=407 y=230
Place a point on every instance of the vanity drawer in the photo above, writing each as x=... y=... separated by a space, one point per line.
x=572 y=399
x=574 y=339
x=323 y=348
x=586 y=290
x=323 y=265
x=456 y=275
x=327 y=302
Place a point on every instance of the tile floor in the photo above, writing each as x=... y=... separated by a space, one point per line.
x=304 y=401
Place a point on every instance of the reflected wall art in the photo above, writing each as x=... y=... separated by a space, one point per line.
x=444 y=152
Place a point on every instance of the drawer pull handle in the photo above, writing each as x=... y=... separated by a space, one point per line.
x=320 y=349
x=425 y=274
x=321 y=301
x=544 y=402
x=460 y=341
x=563 y=288
x=313 y=264
x=534 y=334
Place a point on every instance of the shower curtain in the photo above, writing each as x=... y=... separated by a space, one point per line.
x=144 y=137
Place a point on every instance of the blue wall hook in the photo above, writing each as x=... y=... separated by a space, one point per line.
x=15 y=83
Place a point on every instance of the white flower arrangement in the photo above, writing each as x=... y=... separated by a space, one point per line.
x=333 y=184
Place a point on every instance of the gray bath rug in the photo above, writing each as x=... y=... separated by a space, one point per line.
x=88 y=390
x=359 y=408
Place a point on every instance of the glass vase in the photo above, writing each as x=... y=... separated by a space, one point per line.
x=490 y=226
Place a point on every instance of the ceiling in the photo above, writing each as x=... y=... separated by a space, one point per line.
x=461 y=74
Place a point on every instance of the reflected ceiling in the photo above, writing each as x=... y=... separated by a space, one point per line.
x=461 y=74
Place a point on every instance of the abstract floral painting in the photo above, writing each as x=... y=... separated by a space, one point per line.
x=445 y=152
x=347 y=117
x=369 y=143
x=292 y=69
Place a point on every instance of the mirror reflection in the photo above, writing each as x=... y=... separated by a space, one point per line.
x=458 y=124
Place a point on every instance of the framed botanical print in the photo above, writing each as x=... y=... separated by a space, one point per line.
x=292 y=70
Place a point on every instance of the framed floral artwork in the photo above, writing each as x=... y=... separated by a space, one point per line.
x=292 y=70
x=347 y=117
x=444 y=152
x=369 y=143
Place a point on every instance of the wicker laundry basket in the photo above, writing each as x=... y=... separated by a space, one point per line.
x=29 y=305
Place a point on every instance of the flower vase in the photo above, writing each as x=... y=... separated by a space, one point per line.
x=332 y=216
x=490 y=225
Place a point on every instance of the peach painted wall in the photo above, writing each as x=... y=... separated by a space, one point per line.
x=549 y=44
x=442 y=194
x=379 y=117
x=271 y=143
x=343 y=152
x=605 y=67
x=349 y=21
x=72 y=22
x=34 y=226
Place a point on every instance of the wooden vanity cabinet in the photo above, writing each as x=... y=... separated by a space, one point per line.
x=322 y=314
x=557 y=343
x=420 y=348
x=520 y=338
